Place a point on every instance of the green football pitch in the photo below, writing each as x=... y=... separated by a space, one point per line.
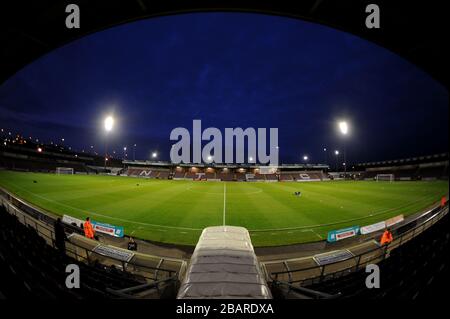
x=177 y=211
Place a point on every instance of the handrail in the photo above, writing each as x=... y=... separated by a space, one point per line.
x=307 y=291
x=436 y=214
x=144 y=286
x=49 y=235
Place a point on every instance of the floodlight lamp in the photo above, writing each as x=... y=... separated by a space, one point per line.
x=336 y=152
x=109 y=122
x=305 y=158
x=343 y=127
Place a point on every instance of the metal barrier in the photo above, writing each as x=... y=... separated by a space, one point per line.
x=44 y=226
x=306 y=276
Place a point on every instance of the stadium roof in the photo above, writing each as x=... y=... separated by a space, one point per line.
x=224 y=165
x=410 y=160
x=409 y=29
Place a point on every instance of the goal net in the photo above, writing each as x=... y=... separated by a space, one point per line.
x=384 y=177
x=64 y=170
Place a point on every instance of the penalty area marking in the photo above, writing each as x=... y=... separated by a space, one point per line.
x=192 y=189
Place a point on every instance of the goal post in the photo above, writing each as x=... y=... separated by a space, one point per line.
x=64 y=170
x=385 y=177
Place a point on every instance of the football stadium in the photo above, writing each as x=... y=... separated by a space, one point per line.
x=339 y=165
x=176 y=212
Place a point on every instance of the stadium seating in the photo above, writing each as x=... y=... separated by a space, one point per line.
x=271 y=177
x=301 y=175
x=29 y=267
x=191 y=175
x=286 y=176
x=148 y=172
x=259 y=177
x=419 y=268
x=163 y=175
x=225 y=176
x=179 y=174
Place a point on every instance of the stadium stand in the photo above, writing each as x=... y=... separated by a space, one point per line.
x=410 y=268
x=240 y=177
x=417 y=168
x=271 y=177
x=210 y=174
x=163 y=175
x=259 y=177
x=179 y=174
x=286 y=176
x=31 y=268
x=148 y=172
x=191 y=175
x=408 y=273
x=226 y=176
x=23 y=154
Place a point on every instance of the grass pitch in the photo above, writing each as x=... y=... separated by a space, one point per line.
x=177 y=211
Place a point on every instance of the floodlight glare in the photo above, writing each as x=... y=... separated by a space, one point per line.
x=209 y=157
x=305 y=158
x=343 y=126
x=109 y=122
x=336 y=152
x=154 y=154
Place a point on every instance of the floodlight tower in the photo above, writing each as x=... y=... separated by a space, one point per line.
x=336 y=152
x=343 y=127
x=109 y=123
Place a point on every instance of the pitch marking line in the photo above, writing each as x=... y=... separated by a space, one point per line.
x=90 y=212
x=316 y=234
x=224 y=201
x=191 y=189
x=305 y=228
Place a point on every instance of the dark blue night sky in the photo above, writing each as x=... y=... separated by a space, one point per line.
x=229 y=70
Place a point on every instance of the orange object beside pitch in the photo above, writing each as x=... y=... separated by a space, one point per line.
x=386 y=238
x=88 y=229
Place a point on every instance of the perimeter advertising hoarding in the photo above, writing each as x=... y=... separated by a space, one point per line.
x=340 y=234
x=112 y=230
x=372 y=228
x=394 y=220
